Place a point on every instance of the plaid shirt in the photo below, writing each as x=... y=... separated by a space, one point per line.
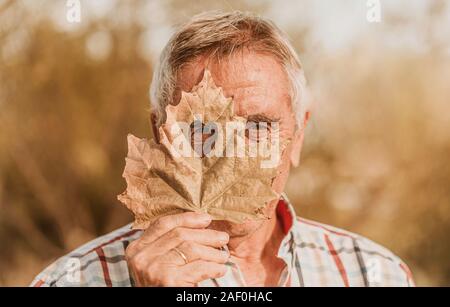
x=315 y=255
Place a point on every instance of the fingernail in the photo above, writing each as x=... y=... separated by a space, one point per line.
x=206 y=217
x=224 y=237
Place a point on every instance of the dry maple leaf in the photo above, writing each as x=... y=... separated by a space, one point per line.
x=161 y=181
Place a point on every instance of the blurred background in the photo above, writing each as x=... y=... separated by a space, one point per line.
x=377 y=152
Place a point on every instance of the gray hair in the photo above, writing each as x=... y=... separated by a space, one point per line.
x=221 y=34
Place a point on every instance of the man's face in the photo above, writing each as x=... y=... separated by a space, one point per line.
x=260 y=91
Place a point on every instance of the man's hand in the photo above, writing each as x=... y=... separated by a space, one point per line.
x=153 y=261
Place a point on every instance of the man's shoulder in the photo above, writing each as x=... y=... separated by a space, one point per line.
x=359 y=260
x=100 y=262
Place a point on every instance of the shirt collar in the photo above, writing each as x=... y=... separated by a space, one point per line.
x=286 y=214
x=288 y=219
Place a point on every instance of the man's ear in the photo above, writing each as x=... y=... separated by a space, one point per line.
x=153 y=120
x=297 y=142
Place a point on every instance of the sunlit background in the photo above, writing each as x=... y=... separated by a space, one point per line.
x=377 y=152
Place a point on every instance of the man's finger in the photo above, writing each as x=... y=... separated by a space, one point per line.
x=166 y=223
x=194 y=251
x=179 y=235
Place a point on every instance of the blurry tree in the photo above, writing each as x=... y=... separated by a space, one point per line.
x=64 y=116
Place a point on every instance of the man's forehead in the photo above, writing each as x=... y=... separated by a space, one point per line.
x=247 y=70
x=257 y=83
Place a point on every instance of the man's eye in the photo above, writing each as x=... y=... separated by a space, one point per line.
x=256 y=131
x=265 y=126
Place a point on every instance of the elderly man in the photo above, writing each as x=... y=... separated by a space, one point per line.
x=254 y=63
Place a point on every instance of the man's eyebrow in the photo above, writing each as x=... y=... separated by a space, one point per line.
x=257 y=118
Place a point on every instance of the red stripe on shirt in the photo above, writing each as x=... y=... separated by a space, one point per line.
x=407 y=272
x=127 y=234
x=101 y=256
x=39 y=283
x=337 y=260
